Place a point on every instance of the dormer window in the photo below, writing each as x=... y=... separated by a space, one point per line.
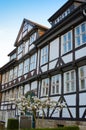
x=63 y=15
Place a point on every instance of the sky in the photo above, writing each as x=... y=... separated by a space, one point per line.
x=12 y=13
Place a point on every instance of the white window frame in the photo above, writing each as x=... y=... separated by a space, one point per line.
x=25 y=29
x=69 y=81
x=11 y=75
x=21 y=91
x=26 y=47
x=26 y=88
x=20 y=51
x=66 y=42
x=56 y=84
x=79 y=35
x=44 y=55
x=20 y=69
x=3 y=78
x=15 y=72
x=82 y=77
x=32 y=38
x=26 y=66
x=33 y=62
x=45 y=87
x=7 y=76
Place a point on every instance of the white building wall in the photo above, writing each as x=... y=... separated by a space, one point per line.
x=80 y=53
x=68 y=58
x=54 y=49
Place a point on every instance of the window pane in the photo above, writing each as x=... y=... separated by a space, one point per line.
x=83 y=27
x=82 y=72
x=80 y=34
x=70 y=81
x=45 y=87
x=57 y=88
x=67 y=88
x=84 y=38
x=53 y=89
x=67 y=76
x=44 y=55
x=55 y=84
x=69 y=45
x=77 y=31
x=72 y=86
x=77 y=41
x=72 y=75
x=65 y=48
x=82 y=84
x=66 y=42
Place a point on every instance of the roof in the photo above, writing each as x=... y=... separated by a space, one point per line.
x=66 y=5
x=31 y=23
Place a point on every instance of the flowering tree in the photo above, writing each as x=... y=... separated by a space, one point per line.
x=34 y=105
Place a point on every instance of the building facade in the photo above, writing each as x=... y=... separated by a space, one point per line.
x=50 y=62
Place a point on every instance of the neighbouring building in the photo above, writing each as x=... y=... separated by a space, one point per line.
x=50 y=62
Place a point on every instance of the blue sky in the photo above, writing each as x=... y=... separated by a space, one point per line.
x=12 y=13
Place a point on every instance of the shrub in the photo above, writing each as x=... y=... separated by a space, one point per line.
x=59 y=128
x=12 y=124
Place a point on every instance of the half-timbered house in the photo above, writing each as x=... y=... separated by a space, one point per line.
x=50 y=62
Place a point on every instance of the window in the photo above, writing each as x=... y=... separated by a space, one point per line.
x=32 y=38
x=26 y=44
x=82 y=77
x=7 y=77
x=33 y=62
x=15 y=93
x=20 y=51
x=20 y=91
x=3 y=78
x=56 y=84
x=11 y=75
x=25 y=29
x=15 y=72
x=80 y=34
x=20 y=69
x=69 y=81
x=44 y=55
x=66 y=42
x=26 y=88
x=45 y=87
x=34 y=87
x=26 y=66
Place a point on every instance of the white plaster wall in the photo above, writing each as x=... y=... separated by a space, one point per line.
x=81 y=111
x=82 y=98
x=56 y=98
x=70 y=100
x=80 y=53
x=73 y=111
x=34 y=85
x=52 y=64
x=44 y=68
x=26 y=88
x=65 y=113
x=67 y=58
x=54 y=49
x=55 y=114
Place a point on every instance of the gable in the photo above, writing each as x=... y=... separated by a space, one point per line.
x=25 y=28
